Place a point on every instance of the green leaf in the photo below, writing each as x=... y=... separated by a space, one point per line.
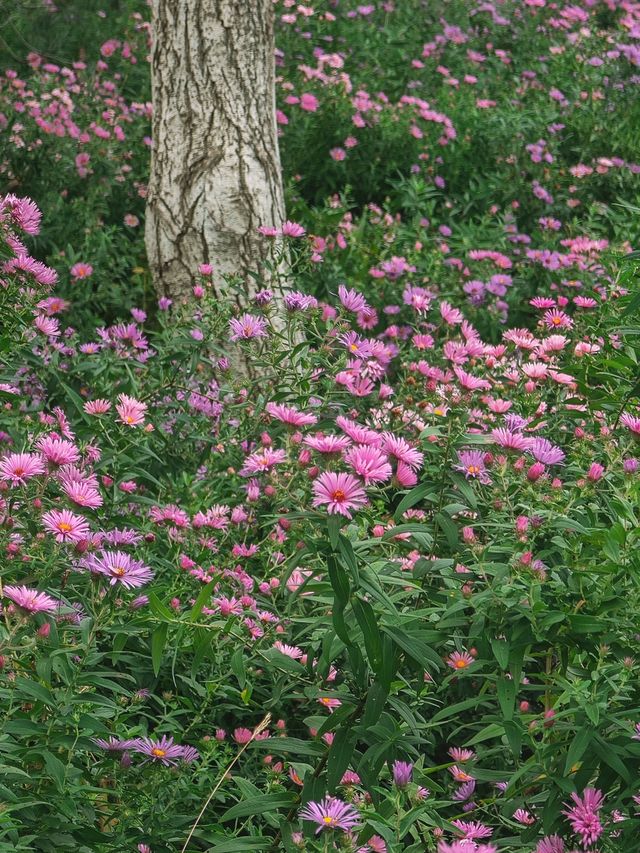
x=257 y=805
x=34 y=690
x=158 y=640
x=339 y=581
x=340 y=754
x=507 y=697
x=292 y=745
x=236 y=664
x=411 y=498
x=414 y=647
x=368 y=625
x=203 y=596
x=578 y=748
x=500 y=650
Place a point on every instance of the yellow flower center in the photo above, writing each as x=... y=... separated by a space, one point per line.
x=328 y=820
x=338 y=495
x=159 y=753
x=64 y=527
x=438 y=411
x=460 y=664
x=118 y=571
x=556 y=321
x=473 y=469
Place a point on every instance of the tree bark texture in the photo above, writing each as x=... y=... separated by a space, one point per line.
x=215 y=166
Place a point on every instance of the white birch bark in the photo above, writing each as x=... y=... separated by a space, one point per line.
x=215 y=172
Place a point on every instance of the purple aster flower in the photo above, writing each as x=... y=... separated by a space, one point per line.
x=164 y=750
x=112 y=744
x=543 y=451
x=471 y=463
x=583 y=815
x=402 y=772
x=331 y=813
x=31 y=600
x=120 y=567
x=247 y=326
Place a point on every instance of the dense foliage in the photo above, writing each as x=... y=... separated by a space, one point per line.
x=384 y=595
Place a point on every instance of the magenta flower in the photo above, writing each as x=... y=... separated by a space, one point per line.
x=120 y=568
x=632 y=422
x=130 y=411
x=510 y=440
x=351 y=299
x=164 y=750
x=328 y=443
x=17 y=468
x=369 y=462
x=293 y=229
x=58 y=451
x=340 y=492
x=31 y=600
x=471 y=463
x=247 y=326
x=113 y=744
x=402 y=773
x=262 y=460
x=331 y=813
x=543 y=451
x=66 y=526
x=556 y=319
x=550 y=844
x=459 y=660
x=401 y=450
x=290 y=415
x=97 y=407
x=472 y=829
x=81 y=270
x=24 y=213
x=583 y=815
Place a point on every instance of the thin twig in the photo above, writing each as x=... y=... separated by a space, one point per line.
x=259 y=728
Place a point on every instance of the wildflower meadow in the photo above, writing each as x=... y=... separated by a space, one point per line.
x=350 y=559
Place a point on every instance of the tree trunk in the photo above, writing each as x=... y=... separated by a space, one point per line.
x=215 y=166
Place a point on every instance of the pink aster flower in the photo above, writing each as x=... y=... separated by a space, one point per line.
x=66 y=526
x=31 y=600
x=510 y=440
x=97 y=407
x=551 y=844
x=452 y=316
x=80 y=270
x=120 y=568
x=469 y=382
x=340 y=492
x=583 y=816
x=352 y=300
x=262 y=460
x=402 y=773
x=370 y=463
x=401 y=450
x=58 y=451
x=24 y=213
x=81 y=492
x=328 y=443
x=631 y=422
x=112 y=744
x=331 y=813
x=471 y=463
x=556 y=319
x=290 y=415
x=543 y=451
x=465 y=846
x=247 y=326
x=459 y=660
x=164 y=750
x=130 y=411
x=292 y=229
x=17 y=468
x=48 y=326
x=360 y=434
x=472 y=829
